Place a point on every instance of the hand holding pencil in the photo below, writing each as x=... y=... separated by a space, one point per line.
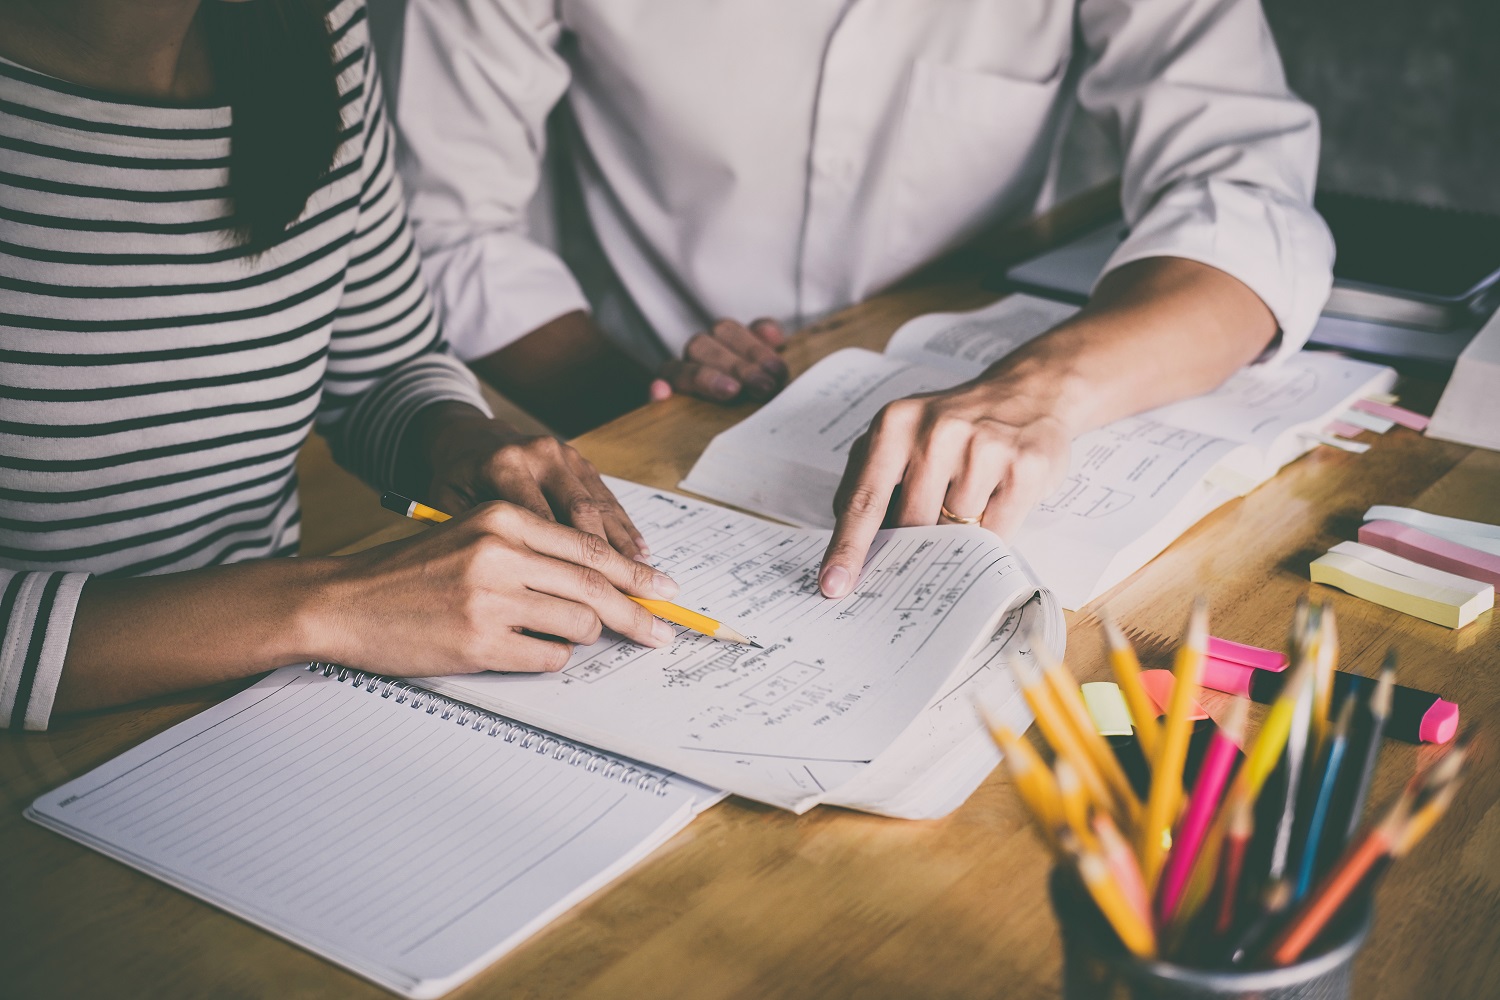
x=656 y=605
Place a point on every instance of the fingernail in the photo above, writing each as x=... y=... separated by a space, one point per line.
x=725 y=386
x=640 y=544
x=662 y=632
x=775 y=366
x=665 y=585
x=761 y=385
x=836 y=581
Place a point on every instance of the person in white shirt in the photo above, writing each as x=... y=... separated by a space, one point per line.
x=742 y=159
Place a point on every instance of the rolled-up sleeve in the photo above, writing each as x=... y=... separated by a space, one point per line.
x=472 y=84
x=1220 y=158
x=36 y=619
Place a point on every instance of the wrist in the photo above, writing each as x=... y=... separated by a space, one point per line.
x=426 y=440
x=1049 y=382
x=316 y=614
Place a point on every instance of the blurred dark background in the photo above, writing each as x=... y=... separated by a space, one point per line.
x=1408 y=92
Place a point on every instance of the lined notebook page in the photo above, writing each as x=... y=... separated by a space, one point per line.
x=406 y=846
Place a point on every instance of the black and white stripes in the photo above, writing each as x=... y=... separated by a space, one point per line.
x=156 y=379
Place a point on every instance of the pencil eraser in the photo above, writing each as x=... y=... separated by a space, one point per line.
x=1158 y=685
x=1439 y=723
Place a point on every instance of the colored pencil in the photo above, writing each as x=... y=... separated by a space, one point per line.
x=1236 y=842
x=1127 y=670
x=665 y=610
x=1075 y=802
x=1123 y=867
x=1207 y=792
x=1166 y=777
x=1333 y=759
x=1380 y=710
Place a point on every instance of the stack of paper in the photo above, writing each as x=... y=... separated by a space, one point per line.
x=1441 y=569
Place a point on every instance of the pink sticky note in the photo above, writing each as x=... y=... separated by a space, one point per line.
x=1250 y=656
x=1429 y=550
x=1342 y=429
x=1158 y=685
x=1401 y=415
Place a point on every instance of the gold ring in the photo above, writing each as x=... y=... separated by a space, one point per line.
x=949 y=515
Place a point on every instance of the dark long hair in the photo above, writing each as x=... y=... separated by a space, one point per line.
x=273 y=63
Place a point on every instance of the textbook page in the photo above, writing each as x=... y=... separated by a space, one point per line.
x=837 y=682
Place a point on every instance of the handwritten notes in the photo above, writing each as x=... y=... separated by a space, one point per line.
x=837 y=682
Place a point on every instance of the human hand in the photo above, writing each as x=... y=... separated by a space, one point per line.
x=984 y=452
x=727 y=362
x=473 y=459
x=496 y=588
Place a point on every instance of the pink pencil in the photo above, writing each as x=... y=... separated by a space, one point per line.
x=1213 y=775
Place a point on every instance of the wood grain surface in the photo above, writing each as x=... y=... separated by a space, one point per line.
x=751 y=902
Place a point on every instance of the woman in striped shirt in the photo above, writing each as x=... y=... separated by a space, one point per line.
x=203 y=253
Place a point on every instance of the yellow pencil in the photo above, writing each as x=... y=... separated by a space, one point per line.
x=665 y=610
x=1075 y=802
x=1128 y=675
x=1166 y=771
x=1135 y=933
x=1033 y=780
x=1055 y=727
x=1067 y=696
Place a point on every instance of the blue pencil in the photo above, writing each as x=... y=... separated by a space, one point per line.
x=1332 y=760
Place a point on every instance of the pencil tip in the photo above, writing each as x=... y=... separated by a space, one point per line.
x=755 y=644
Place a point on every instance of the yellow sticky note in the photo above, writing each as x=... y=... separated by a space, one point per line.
x=1434 y=602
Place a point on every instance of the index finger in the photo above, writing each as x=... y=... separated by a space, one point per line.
x=861 y=512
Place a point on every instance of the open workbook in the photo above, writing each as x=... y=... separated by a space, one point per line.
x=1131 y=488
x=865 y=702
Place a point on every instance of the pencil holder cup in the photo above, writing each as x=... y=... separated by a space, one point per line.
x=1096 y=966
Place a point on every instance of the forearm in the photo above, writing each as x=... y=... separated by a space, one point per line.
x=568 y=374
x=1155 y=331
x=134 y=638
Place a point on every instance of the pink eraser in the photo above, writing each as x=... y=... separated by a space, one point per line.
x=1439 y=722
x=1250 y=656
x=1343 y=430
x=1158 y=685
x=1401 y=415
x=1430 y=550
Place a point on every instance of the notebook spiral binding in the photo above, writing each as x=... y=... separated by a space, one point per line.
x=574 y=754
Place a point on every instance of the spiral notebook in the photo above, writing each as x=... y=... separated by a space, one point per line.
x=409 y=838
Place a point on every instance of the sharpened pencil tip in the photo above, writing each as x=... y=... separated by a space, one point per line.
x=755 y=644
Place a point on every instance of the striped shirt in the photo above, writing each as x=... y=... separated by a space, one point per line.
x=156 y=379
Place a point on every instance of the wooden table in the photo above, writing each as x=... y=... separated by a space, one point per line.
x=751 y=902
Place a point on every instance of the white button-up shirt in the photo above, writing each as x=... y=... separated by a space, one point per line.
x=752 y=158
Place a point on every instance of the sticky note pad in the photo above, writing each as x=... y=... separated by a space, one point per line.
x=1107 y=708
x=1453 y=606
x=1370 y=422
x=1474 y=534
x=1430 y=550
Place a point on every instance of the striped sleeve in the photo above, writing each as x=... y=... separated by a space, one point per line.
x=387 y=360
x=36 y=618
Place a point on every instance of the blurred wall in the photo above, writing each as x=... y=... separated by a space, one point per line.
x=1408 y=92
